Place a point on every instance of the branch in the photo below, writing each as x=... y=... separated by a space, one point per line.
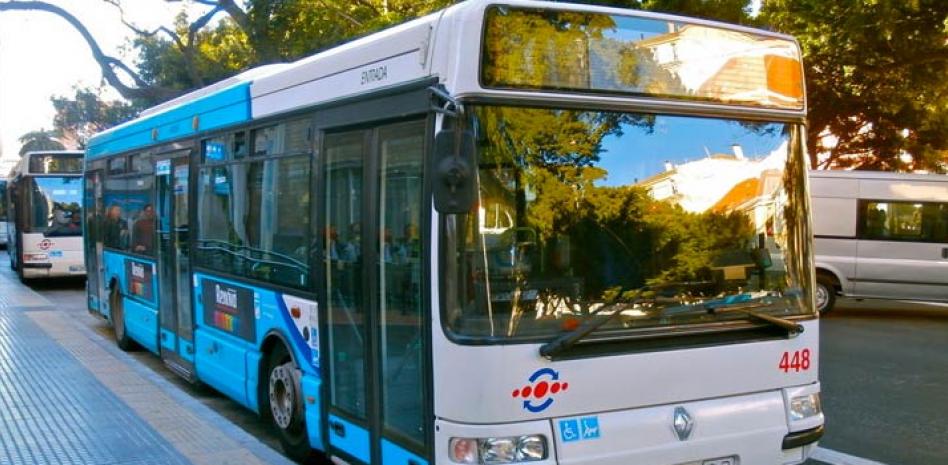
x=187 y=48
x=239 y=16
x=339 y=12
x=142 y=32
x=108 y=64
x=369 y=6
x=199 y=2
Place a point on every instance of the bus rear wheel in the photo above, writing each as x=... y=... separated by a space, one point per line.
x=118 y=320
x=283 y=406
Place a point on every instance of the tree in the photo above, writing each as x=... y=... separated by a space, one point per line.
x=79 y=117
x=875 y=80
x=39 y=140
x=732 y=11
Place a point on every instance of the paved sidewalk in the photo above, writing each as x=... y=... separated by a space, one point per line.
x=68 y=396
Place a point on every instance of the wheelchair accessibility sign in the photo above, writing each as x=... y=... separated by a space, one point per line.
x=579 y=429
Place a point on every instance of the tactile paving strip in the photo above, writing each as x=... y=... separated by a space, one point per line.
x=54 y=411
x=14 y=294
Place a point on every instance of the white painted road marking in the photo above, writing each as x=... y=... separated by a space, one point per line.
x=838 y=458
x=930 y=304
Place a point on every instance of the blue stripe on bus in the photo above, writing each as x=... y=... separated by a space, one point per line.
x=298 y=341
x=253 y=359
x=141 y=324
x=187 y=350
x=221 y=364
x=355 y=442
x=223 y=108
x=314 y=417
x=393 y=454
x=167 y=340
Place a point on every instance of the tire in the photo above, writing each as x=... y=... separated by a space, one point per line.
x=825 y=294
x=281 y=399
x=118 y=321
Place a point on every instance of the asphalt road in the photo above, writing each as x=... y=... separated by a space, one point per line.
x=883 y=368
x=884 y=374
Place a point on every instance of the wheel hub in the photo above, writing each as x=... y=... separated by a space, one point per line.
x=821 y=297
x=282 y=393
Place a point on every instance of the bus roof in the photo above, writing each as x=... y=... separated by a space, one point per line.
x=427 y=47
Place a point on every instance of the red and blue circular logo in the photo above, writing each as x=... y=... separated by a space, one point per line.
x=538 y=395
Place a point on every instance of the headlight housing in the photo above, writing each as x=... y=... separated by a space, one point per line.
x=805 y=406
x=500 y=450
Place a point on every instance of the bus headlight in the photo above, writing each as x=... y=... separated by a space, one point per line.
x=499 y=450
x=531 y=448
x=494 y=451
x=806 y=406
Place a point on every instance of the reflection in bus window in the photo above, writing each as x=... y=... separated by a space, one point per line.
x=56 y=200
x=652 y=216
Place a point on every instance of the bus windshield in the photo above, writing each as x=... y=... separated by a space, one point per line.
x=54 y=207
x=661 y=218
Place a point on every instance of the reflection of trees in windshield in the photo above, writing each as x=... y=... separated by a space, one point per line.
x=551 y=242
x=55 y=207
x=569 y=50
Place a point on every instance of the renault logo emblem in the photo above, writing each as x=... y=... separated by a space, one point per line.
x=683 y=423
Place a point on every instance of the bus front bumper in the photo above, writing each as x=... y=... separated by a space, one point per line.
x=753 y=429
x=51 y=270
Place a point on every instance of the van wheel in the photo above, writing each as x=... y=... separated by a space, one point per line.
x=825 y=294
x=118 y=320
x=283 y=406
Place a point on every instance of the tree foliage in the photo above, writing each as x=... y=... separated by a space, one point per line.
x=39 y=140
x=84 y=114
x=875 y=69
x=876 y=82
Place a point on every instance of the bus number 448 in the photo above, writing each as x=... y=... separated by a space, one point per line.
x=798 y=361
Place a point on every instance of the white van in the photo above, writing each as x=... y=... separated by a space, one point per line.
x=880 y=235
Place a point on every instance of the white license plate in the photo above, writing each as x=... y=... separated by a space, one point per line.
x=77 y=268
x=732 y=460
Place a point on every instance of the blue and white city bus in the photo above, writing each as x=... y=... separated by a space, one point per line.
x=44 y=215
x=507 y=232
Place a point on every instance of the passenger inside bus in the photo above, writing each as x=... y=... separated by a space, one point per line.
x=143 y=231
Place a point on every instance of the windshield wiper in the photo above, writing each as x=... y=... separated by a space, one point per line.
x=748 y=309
x=567 y=340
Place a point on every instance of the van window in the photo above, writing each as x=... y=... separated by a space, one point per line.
x=904 y=221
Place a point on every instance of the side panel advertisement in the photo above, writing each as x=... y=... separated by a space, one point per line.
x=229 y=308
x=138 y=275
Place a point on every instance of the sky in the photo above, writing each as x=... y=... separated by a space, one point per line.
x=41 y=55
x=640 y=154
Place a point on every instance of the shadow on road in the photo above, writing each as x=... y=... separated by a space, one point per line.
x=57 y=284
x=871 y=308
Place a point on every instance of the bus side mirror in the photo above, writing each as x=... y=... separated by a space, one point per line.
x=453 y=185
